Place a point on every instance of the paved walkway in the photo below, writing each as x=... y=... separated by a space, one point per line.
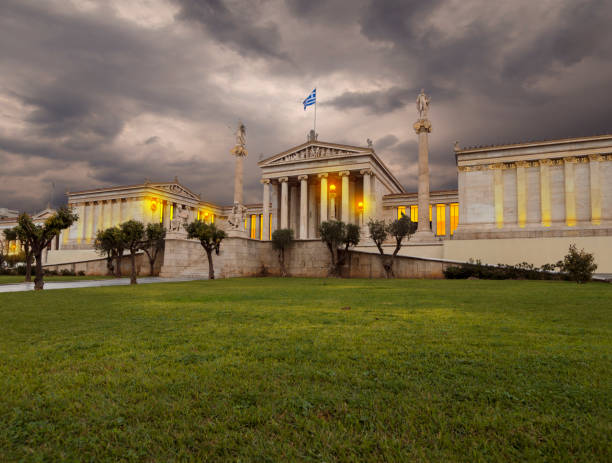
x=11 y=288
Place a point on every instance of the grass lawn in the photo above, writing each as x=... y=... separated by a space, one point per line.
x=10 y=279
x=275 y=370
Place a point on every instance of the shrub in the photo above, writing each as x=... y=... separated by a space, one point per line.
x=67 y=272
x=522 y=271
x=81 y=273
x=579 y=265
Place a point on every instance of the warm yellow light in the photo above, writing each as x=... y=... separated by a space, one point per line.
x=401 y=211
x=206 y=215
x=153 y=205
x=332 y=187
x=171 y=211
x=360 y=205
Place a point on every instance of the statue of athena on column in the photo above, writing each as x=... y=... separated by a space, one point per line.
x=422 y=104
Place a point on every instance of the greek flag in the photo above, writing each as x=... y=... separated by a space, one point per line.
x=310 y=99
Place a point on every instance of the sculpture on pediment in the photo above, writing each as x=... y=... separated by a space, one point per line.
x=312 y=136
x=422 y=104
x=370 y=144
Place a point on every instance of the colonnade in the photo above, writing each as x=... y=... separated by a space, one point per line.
x=545 y=192
x=303 y=201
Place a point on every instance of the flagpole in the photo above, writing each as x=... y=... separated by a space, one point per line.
x=315 y=118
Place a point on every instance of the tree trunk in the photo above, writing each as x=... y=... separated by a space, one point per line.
x=388 y=266
x=211 y=270
x=38 y=280
x=28 y=274
x=133 y=261
x=118 y=265
x=281 y=261
x=152 y=264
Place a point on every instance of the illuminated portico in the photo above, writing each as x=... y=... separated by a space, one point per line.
x=320 y=181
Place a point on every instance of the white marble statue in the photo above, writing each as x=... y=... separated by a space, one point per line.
x=237 y=217
x=422 y=104
x=240 y=148
x=179 y=221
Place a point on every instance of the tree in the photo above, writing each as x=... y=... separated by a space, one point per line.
x=579 y=265
x=399 y=229
x=38 y=237
x=281 y=239
x=155 y=233
x=132 y=233
x=110 y=242
x=210 y=238
x=334 y=234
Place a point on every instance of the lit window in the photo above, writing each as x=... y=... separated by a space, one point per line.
x=454 y=216
x=253 y=226
x=440 y=219
x=401 y=210
x=161 y=213
x=414 y=213
x=171 y=211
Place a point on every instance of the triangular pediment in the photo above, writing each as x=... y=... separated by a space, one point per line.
x=175 y=188
x=314 y=150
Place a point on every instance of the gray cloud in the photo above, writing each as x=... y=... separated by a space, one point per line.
x=110 y=93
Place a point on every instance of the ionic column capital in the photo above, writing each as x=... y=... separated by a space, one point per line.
x=283 y=179
x=344 y=173
x=422 y=125
x=570 y=160
x=302 y=177
x=545 y=162
x=522 y=163
x=366 y=172
x=265 y=181
x=322 y=175
x=596 y=157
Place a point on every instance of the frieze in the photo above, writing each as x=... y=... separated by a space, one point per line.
x=313 y=152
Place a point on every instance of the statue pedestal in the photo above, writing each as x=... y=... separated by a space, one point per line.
x=423 y=236
x=176 y=235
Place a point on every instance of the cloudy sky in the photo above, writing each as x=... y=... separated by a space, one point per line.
x=109 y=92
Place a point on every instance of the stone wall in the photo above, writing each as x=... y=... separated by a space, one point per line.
x=241 y=257
x=98 y=266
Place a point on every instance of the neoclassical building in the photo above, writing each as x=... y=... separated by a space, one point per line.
x=514 y=203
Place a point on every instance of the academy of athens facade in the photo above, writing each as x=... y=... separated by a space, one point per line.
x=514 y=203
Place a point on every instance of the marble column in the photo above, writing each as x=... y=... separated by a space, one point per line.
x=89 y=220
x=81 y=223
x=545 y=200
x=498 y=193
x=521 y=193
x=284 y=222
x=323 y=178
x=595 y=183
x=344 y=175
x=166 y=215
x=434 y=219
x=266 y=209
x=238 y=175
x=303 y=206
x=570 y=190
x=367 y=195
x=100 y=218
x=423 y=127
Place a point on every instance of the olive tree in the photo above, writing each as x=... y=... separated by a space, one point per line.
x=13 y=234
x=38 y=237
x=281 y=239
x=210 y=238
x=8 y=235
x=132 y=234
x=153 y=243
x=399 y=230
x=110 y=242
x=578 y=264
x=336 y=234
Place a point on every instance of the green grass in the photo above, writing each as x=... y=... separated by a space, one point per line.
x=10 y=279
x=274 y=370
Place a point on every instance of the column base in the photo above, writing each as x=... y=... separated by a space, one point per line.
x=423 y=236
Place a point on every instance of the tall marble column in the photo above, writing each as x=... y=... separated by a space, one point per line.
x=100 y=218
x=570 y=190
x=238 y=215
x=545 y=197
x=521 y=193
x=595 y=182
x=323 y=178
x=423 y=127
x=266 y=209
x=367 y=206
x=344 y=175
x=303 y=206
x=498 y=193
x=284 y=223
x=81 y=223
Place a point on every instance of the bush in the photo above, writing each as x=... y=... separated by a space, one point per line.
x=579 y=265
x=522 y=271
x=67 y=273
x=81 y=273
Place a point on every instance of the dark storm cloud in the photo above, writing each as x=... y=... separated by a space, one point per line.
x=97 y=93
x=233 y=26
